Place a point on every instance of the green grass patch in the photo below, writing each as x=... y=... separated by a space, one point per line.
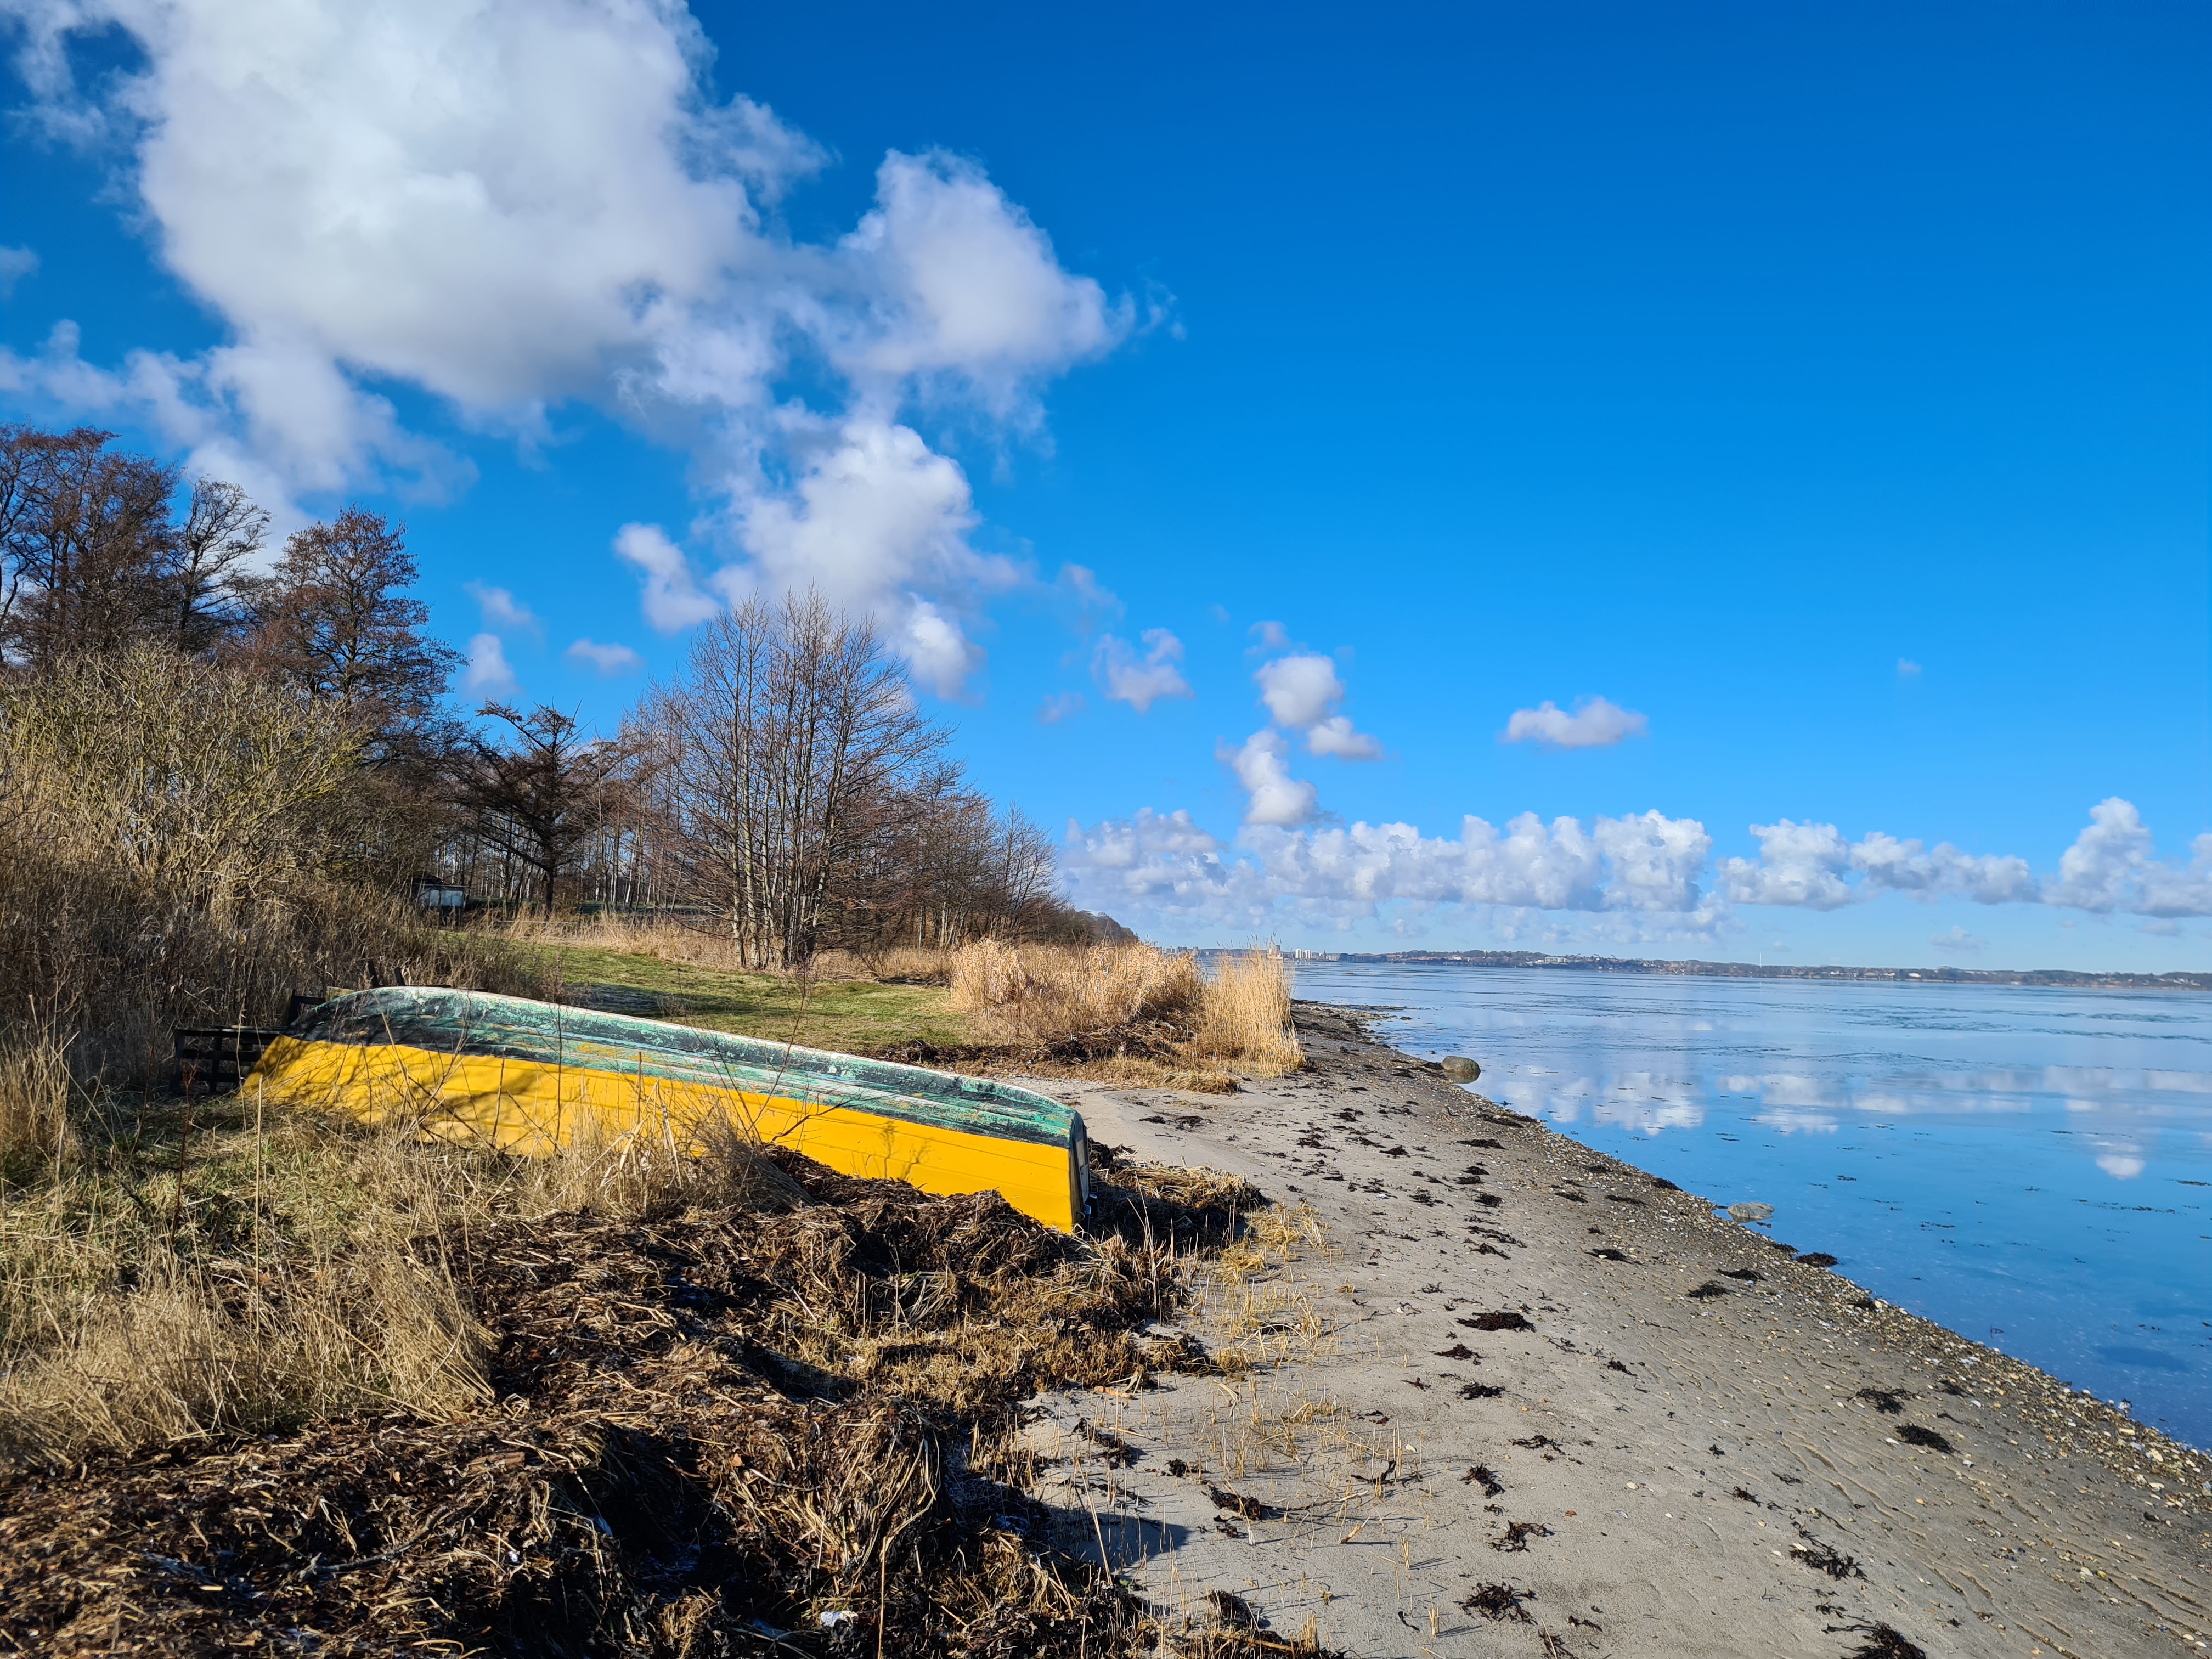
x=850 y=1016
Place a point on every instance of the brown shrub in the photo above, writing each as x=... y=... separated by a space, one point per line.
x=185 y=844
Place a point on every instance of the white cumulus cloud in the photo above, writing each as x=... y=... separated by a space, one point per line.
x=2113 y=865
x=1654 y=876
x=1301 y=693
x=1273 y=797
x=606 y=659
x=1893 y=866
x=1167 y=867
x=1335 y=735
x=515 y=204
x=958 y=283
x=488 y=674
x=1140 y=681
x=501 y=608
x=671 y=598
x=1299 y=690
x=1596 y=723
x=1799 y=864
x=16 y=264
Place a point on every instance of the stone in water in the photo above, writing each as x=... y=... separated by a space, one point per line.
x=1750 y=1211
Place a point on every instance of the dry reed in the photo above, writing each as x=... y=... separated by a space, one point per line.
x=35 y=1128
x=1239 y=1015
x=1044 y=992
x=1244 y=1014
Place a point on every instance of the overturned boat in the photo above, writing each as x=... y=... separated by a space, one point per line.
x=532 y=1077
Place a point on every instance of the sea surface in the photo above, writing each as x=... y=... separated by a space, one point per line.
x=2032 y=1168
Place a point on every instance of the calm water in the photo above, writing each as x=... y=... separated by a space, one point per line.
x=2031 y=1168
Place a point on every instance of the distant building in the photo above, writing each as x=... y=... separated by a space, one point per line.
x=432 y=894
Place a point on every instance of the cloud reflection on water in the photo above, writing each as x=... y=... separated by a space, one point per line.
x=2026 y=1133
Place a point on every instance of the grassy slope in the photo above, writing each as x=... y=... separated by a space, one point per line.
x=850 y=1016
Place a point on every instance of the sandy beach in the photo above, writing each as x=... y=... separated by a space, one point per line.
x=1520 y=1397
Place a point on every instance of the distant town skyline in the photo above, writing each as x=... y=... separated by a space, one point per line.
x=1710 y=484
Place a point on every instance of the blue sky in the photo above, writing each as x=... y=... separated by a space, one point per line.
x=1824 y=389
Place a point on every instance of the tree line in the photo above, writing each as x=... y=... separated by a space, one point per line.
x=783 y=789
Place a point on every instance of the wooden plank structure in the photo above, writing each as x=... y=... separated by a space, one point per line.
x=214 y=1059
x=533 y=1076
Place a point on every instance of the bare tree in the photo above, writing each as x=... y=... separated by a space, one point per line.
x=791 y=724
x=335 y=619
x=96 y=553
x=223 y=529
x=88 y=539
x=540 y=795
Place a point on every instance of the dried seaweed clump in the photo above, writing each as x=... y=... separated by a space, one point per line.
x=714 y=1431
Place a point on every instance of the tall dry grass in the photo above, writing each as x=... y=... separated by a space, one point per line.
x=36 y=1129
x=221 y=1268
x=1244 y=1015
x=1239 y=1014
x=702 y=942
x=1046 y=992
x=694 y=942
x=176 y=1284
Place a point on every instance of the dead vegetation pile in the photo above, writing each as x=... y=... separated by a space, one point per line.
x=770 y=1415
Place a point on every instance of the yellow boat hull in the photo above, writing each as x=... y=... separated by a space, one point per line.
x=594 y=1092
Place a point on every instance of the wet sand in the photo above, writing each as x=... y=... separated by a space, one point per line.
x=1517 y=1396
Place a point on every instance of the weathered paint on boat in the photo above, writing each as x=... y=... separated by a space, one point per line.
x=532 y=1077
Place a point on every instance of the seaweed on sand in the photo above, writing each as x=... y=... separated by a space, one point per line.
x=1517 y=1534
x=706 y=1424
x=1913 y=1435
x=1824 y=1557
x=1500 y=1601
x=1238 y=1503
x=1163 y=1204
x=1505 y=1320
x=1882 y=1643
x=1888 y=1401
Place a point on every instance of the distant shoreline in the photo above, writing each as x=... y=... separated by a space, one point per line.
x=2055 y=978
